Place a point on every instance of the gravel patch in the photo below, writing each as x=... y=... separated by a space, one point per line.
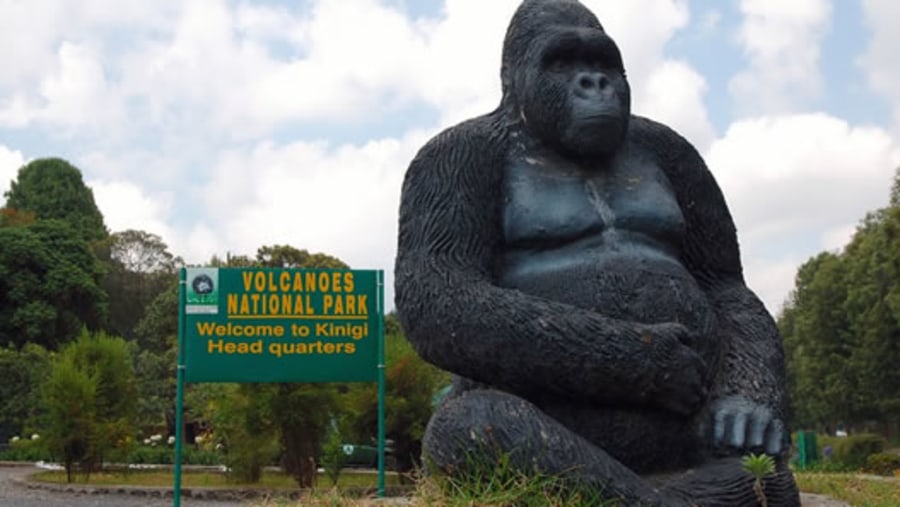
x=15 y=492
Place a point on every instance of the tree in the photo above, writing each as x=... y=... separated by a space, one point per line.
x=156 y=336
x=68 y=398
x=285 y=256
x=21 y=374
x=818 y=343
x=49 y=284
x=873 y=309
x=52 y=188
x=89 y=399
x=139 y=268
x=10 y=217
x=143 y=252
x=301 y=412
x=411 y=385
x=241 y=415
x=157 y=331
x=842 y=328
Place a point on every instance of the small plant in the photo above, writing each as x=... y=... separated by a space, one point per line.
x=333 y=455
x=759 y=466
x=883 y=463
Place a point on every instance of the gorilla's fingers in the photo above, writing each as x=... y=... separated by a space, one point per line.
x=721 y=422
x=758 y=424
x=739 y=429
x=775 y=438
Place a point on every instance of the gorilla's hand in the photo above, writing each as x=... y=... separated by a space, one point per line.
x=742 y=424
x=679 y=384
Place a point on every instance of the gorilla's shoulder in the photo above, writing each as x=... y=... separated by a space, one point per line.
x=477 y=134
x=468 y=151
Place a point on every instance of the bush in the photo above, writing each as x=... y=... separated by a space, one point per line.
x=69 y=396
x=147 y=455
x=852 y=451
x=25 y=450
x=333 y=457
x=89 y=401
x=883 y=463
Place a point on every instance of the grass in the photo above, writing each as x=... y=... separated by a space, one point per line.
x=189 y=479
x=858 y=490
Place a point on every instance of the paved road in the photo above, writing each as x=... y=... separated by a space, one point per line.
x=13 y=494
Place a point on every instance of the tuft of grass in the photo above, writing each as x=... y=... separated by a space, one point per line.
x=859 y=490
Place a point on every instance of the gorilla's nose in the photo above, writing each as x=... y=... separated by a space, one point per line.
x=591 y=82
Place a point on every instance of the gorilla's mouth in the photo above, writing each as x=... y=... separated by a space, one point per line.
x=599 y=118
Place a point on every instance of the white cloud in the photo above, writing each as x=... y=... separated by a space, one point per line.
x=797 y=185
x=880 y=58
x=782 y=42
x=641 y=37
x=674 y=95
x=182 y=109
x=663 y=89
x=340 y=200
x=10 y=162
x=125 y=206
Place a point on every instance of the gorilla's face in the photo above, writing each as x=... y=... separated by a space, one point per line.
x=573 y=94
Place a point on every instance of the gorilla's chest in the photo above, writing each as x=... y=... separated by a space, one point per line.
x=551 y=204
x=605 y=240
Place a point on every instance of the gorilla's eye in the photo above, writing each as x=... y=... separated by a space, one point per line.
x=558 y=61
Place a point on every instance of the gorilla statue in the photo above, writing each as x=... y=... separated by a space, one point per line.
x=577 y=269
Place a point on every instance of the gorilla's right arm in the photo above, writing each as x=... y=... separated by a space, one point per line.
x=459 y=319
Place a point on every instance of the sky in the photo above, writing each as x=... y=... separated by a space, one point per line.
x=223 y=126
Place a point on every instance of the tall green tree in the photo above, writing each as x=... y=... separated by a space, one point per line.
x=873 y=309
x=52 y=188
x=842 y=329
x=818 y=343
x=156 y=337
x=139 y=268
x=49 y=284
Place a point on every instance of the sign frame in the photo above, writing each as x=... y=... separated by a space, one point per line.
x=201 y=304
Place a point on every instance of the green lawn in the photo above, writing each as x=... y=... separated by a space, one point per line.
x=858 y=490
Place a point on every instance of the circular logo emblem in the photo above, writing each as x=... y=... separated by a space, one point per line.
x=202 y=284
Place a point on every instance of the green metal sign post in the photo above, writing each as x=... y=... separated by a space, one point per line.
x=279 y=325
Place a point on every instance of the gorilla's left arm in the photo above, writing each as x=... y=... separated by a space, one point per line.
x=748 y=405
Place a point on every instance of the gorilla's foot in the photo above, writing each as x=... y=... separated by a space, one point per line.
x=725 y=483
x=493 y=422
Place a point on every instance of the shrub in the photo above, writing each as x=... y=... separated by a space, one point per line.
x=89 y=399
x=25 y=449
x=853 y=450
x=69 y=396
x=883 y=463
x=333 y=457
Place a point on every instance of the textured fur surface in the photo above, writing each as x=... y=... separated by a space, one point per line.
x=579 y=374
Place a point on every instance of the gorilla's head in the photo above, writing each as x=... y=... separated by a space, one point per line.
x=564 y=78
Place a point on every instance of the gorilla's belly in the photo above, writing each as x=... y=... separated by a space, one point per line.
x=633 y=281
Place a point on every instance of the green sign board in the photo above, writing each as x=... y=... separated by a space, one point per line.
x=281 y=325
